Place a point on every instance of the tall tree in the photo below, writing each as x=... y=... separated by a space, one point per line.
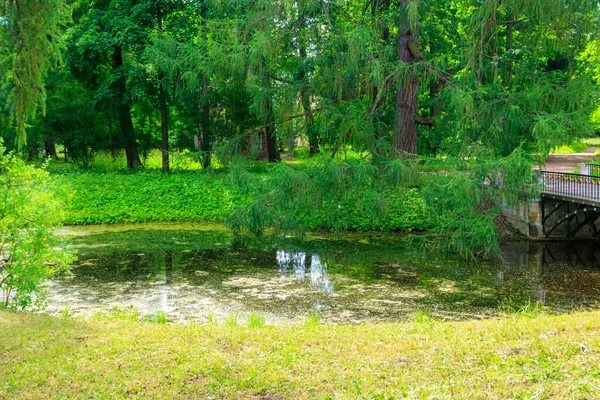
x=162 y=99
x=105 y=47
x=407 y=95
x=32 y=31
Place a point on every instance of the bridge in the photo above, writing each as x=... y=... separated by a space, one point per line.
x=571 y=202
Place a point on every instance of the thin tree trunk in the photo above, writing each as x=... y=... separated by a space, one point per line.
x=162 y=103
x=124 y=111
x=270 y=135
x=111 y=139
x=407 y=100
x=309 y=118
x=49 y=145
x=206 y=136
x=205 y=143
x=164 y=122
x=509 y=59
x=378 y=8
x=269 y=119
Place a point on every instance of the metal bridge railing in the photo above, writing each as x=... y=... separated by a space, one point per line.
x=571 y=185
x=593 y=169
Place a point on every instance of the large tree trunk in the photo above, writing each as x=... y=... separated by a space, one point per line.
x=162 y=104
x=407 y=99
x=124 y=112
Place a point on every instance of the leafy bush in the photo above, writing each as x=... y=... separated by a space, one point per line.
x=29 y=252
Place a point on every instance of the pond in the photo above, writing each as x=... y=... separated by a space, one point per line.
x=195 y=272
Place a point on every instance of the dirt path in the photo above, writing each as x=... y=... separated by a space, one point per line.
x=568 y=162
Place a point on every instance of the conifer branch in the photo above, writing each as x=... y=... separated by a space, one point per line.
x=513 y=22
x=427 y=121
x=275 y=78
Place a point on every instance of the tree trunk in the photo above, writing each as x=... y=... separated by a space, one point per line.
x=49 y=145
x=111 y=139
x=270 y=135
x=509 y=56
x=205 y=143
x=379 y=149
x=407 y=100
x=124 y=111
x=269 y=119
x=309 y=118
x=164 y=123
x=206 y=136
x=162 y=104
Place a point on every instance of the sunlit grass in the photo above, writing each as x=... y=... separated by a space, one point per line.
x=512 y=357
x=576 y=147
x=592 y=141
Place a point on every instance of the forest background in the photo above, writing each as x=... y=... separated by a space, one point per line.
x=387 y=115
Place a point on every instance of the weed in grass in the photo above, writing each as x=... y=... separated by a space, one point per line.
x=527 y=309
x=118 y=313
x=256 y=321
x=231 y=320
x=212 y=320
x=65 y=312
x=422 y=317
x=159 y=318
x=313 y=319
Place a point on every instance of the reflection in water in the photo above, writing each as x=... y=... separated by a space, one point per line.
x=296 y=263
x=197 y=274
x=318 y=274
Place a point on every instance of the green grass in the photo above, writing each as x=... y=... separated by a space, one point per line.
x=575 y=147
x=592 y=141
x=514 y=357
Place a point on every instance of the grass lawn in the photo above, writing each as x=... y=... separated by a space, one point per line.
x=575 y=147
x=592 y=141
x=515 y=357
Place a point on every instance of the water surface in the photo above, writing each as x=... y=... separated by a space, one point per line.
x=195 y=272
